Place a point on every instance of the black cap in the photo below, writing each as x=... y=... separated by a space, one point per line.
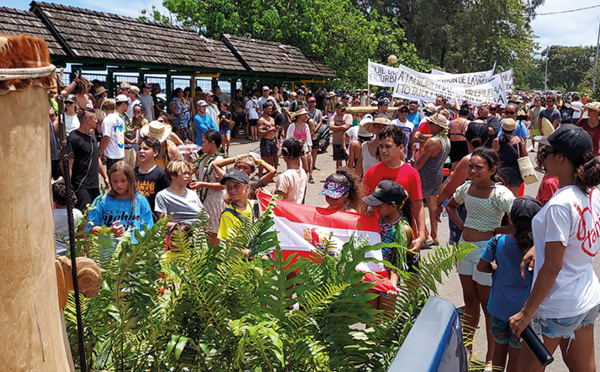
x=236 y=175
x=389 y=192
x=571 y=141
x=383 y=102
x=339 y=104
x=524 y=208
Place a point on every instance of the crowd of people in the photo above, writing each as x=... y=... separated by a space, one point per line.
x=394 y=159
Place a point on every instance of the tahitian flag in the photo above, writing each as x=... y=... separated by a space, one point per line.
x=304 y=229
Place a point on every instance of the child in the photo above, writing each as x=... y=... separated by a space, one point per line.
x=292 y=183
x=122 y=209
x=509 y=289
x=246 y=163
x=61 y=226
x=394 y=208
x=177 y=200
x=225 y=122
x=342 y=191
x=236 y=183
x=150 y=179
x=486 y=202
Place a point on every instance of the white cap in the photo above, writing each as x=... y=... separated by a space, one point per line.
x=121 y=98
x=266 y=88
x=201 y=103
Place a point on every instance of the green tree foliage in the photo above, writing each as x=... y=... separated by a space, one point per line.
x=465 y=35
x=211 y=309
x=332 y=29
x=568 y=66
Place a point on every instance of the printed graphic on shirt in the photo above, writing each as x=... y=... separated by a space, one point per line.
x=588 y=229
x=145 y=187
x=128 y=220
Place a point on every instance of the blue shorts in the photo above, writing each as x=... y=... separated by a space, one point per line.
x=225 y=131
x=503 y=334
x=564 y=327
x=455 y=232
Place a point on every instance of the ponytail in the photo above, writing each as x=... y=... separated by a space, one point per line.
x=587 y=174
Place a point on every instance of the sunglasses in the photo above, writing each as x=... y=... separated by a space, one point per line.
x=510 y=112
x=404 y=111
x=545 y=152
x=69 y=103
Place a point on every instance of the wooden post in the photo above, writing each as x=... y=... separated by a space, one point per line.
x=31 y=332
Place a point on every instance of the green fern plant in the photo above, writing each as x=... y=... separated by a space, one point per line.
x=213 y=309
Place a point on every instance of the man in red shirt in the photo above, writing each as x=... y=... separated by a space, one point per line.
x=392 y=167
x=591 y=124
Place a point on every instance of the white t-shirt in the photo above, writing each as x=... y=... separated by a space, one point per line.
x=293 y=183
x=61 y=228
x=408 y=127
x=184 y=208
x=113 y=127
x=576 y=289
x=129 y=111
x=353 y=133
x=213 y=112
x=578 y=105
x=71 y=123
x=252 y=109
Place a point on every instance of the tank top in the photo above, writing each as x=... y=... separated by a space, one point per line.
x=300 y=135
x=431 y=172
x=509 y=154
x=368 y=159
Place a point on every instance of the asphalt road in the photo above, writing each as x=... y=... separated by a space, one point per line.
x=450 y=289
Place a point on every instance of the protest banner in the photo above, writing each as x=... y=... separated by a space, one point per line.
x=381 y=75
x=420 y=86
x=507 y=78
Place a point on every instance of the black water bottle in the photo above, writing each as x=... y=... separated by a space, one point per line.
x=536 y=346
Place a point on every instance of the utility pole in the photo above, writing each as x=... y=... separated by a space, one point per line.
x=596 y=68
x=546 y=73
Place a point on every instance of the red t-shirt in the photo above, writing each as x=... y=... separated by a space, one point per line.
x=548 y=187
x=405 y=175
x=424 y=128
x=593 y=132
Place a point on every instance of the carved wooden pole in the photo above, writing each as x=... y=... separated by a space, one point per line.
x=31 y=333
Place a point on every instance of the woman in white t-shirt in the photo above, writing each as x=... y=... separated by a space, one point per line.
x=565 y=298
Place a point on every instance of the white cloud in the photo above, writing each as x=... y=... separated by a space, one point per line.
x=569 y=29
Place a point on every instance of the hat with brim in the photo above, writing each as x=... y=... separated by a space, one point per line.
x=299 y=112
x=389 y=192
x=571 y=141
x=368 y=126
x=334 y=190
x=509 y=125
x=156 y=129
x=331 y=94
x=430 y=108
x=99 y=91
x=201 y=103
x=71 y=98
x=236 y=175
x=438 y=119
x=594 y=106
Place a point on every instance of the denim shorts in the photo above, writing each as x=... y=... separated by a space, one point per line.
x=468 y=266
x=224 y=131
x=503 y=334
x=564 y=327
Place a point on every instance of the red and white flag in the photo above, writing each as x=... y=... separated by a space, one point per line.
x=304 y=229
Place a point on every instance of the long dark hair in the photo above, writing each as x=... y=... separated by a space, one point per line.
x=491 y=158
x=523 y=223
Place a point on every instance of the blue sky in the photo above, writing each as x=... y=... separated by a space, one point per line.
x=570 y=29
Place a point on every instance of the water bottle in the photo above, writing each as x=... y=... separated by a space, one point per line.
x=536 y=346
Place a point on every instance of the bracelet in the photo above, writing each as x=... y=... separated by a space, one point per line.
x=259 y=162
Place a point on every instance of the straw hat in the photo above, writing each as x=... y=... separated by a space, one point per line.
x=99 y=91
x=430 y=108
x=509 y=125
x=331 y=94
x=438 y=119
x=365 y=124
x=301 y=111
x=368 y=126
x=594 y=106
x=156 y=129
